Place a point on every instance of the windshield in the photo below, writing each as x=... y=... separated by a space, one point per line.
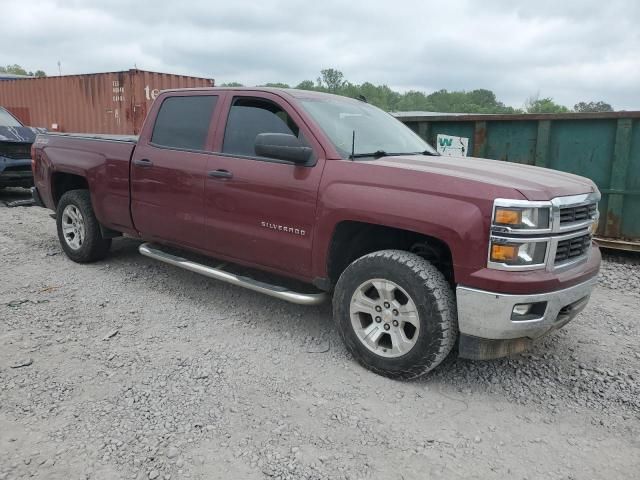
x=7 y=120
x=376 y=132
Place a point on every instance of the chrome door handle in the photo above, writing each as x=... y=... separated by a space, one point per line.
x=143 y=162
x=220 y=174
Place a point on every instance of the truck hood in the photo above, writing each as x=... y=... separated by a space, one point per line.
x=534 y=183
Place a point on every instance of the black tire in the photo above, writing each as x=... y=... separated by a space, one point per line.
x=94 y=247
x=434 y=301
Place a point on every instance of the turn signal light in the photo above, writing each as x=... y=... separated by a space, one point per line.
x=503 y=253
x=508 y=217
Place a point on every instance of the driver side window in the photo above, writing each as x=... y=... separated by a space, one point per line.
x=249 y=117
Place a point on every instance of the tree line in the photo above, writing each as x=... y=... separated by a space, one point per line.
x=18 y=70
x=473 y=101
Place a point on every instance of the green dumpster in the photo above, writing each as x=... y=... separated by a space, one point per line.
x=604 y=147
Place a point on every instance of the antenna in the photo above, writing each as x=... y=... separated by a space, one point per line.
x=353 y=145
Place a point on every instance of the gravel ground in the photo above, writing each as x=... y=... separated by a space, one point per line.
x=132 y=369
x=621 y=272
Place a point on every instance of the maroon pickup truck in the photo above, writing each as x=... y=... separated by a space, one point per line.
x=421 y=253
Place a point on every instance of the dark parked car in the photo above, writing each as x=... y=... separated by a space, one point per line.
x=15 y=151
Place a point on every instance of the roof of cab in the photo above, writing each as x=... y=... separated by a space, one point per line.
x=292 y=92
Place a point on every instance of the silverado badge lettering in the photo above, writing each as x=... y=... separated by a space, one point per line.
x=284 y=228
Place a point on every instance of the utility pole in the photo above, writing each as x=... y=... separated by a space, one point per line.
x=59 y=68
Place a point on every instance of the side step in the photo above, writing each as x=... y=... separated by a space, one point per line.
x=276 y=291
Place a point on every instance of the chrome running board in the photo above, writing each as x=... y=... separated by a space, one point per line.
x=276 y=291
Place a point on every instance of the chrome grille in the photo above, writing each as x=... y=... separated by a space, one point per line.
x=572 y=248
x=578 y=213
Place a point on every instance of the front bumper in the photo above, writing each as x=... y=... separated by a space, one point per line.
x=487 y=329
x=15 y=173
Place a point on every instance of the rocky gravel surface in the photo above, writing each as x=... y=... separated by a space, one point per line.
x=132 y=369
x=621 y=271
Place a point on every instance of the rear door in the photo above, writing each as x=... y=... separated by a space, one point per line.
x=168 y=170
x=261 y=210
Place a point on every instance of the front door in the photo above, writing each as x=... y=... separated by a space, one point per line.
x=168 y=171
x=261 y=210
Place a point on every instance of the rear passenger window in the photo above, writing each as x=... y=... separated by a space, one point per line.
x=250 y=116
x=183 y=122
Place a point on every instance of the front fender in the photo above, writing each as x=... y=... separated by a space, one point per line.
x=460 y=223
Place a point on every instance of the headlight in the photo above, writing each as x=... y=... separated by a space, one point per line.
x=541 y=234
x=522 y=218
x=518 y=253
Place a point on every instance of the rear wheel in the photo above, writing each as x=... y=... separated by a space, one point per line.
x=396 y=313
x=78 y=229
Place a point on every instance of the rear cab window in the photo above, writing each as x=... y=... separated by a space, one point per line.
x=183 y=122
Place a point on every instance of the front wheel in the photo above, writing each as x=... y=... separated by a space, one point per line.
x=396 y=313
x=78 y=228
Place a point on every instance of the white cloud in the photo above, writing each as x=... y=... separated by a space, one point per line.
x=571 y=50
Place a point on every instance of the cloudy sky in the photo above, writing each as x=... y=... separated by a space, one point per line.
x=571 y=50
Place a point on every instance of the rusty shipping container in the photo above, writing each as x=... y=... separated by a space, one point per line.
x=113 y=102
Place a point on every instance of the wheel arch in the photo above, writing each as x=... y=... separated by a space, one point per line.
x=62 y=182
x=353 y=239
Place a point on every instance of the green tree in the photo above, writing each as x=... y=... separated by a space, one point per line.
x=306 y=85
x=474 y=101
x=544 y=105
x=485 y=101
x=413 y=100
x=276 y=85
x=331 y=79
x=18 y=70
x=14 y=69
x=483 y=97
x=232 y=84
x=380 y=95
x=584 y=107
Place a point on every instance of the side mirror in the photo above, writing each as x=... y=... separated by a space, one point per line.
x=282 y=146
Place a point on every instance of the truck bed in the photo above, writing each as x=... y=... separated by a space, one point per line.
x=102 y=161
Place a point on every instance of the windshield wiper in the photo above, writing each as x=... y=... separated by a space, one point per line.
x=430 y=153
x=382 y=153
x=426 y=152
x=376 y=154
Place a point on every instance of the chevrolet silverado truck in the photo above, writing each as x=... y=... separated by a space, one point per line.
x=422 y=254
